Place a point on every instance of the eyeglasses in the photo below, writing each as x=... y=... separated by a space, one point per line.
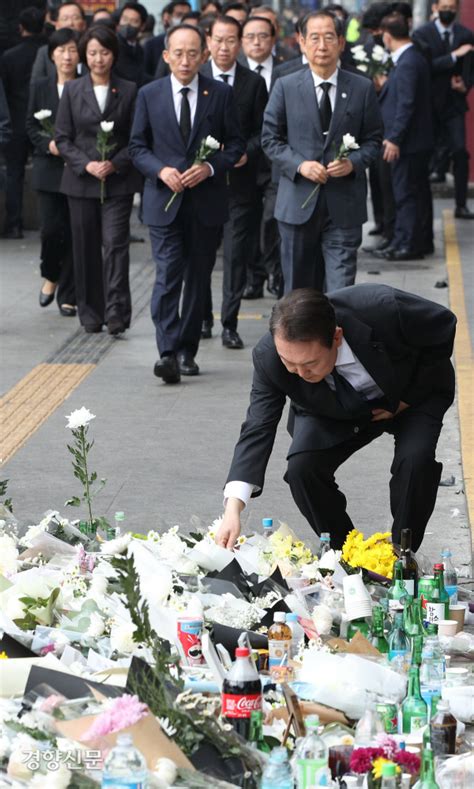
x=256 y=36
x=329 y=38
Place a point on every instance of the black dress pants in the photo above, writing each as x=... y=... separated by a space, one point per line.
x=263 y=247
x=413 y=201
x=56 y=245
x=16 y=155
x=413 y=486
x=101 y=250
x=237 y=235
x=450 y=135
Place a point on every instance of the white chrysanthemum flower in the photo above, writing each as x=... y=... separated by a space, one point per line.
x=329 y=560
x=378 y=54
x=121 y=638
x=119 y=545
x=79 y=418
x=59 y=779
x=349 y=142
x=361 y=67
x=96 y=626
x=99 y=584
x=8 y=555
x=361 y=56
x=41 y=115
x=107 y=126
x=212 y=143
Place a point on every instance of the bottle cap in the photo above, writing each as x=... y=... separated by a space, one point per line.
x=292 y=617
x=325 y=536
x=438 y=566
x=279 y=616
x=119 y=516
x=312 y=721
x=242 y=652
x=389 y=769
x=124 y=740
x=267 y=523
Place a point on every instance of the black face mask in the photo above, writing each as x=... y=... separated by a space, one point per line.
x=446 y=17
x=128 y=32
x=378 y=39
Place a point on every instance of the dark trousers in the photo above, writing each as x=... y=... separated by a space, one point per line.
x=387 y=221
x=237 y=232
x=413 y=201
x=100 y=242
x=450 y=135
x=184 y=253
x=16 y=155
x=263 y=248
x=56 y=245
x=376 y=193
x=413 y=486
x=317 y=254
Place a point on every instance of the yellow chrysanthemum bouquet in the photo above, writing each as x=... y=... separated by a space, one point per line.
x=286 y=551
x=375 y=553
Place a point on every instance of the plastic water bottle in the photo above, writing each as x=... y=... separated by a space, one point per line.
x=125 y=767
x=277 y=773
x=450 y=576
x=267 y=524
x=324 y=544
x=115 y=531
x=389 y=776
x=297 y=632
x=311 y=756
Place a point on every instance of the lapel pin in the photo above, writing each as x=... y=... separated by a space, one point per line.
x=205 y=93
x=344 y=95
x=114 y=90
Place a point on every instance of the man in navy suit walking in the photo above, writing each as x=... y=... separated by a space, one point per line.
x=172 y=118
x=406 y=111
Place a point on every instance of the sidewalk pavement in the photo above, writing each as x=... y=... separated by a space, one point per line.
x=165 y=450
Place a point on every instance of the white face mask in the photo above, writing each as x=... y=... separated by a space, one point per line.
x=175 y=20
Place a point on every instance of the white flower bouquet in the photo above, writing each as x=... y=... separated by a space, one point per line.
x=378 y=63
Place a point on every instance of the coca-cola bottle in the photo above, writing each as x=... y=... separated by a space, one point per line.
x=241 y=692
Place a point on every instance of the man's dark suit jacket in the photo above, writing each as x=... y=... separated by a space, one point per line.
x=153 y=51
x=130 y=64
x=15 y=70
x=156 y=142
x=403 y=341
x=77 y=123
x=405 y=104
x=446 y=102
x=47 y=169
x=250 y=95
x=5 y=124
x=288 y=67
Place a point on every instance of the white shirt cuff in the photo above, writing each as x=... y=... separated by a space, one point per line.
x=210 y=167
x=454 y=57
x=239 y=490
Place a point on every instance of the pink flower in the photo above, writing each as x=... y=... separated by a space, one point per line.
x=362 y=758
x=410 y=761
x=388 y=745
x=51 y=702
x=86 y=562
x=48 y=648
x=121 y=713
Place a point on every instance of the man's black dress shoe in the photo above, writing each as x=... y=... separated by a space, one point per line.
x=275 y=285
x=376 y=231
x=231 y=339
x=45 y=298
x=93 y=328
x=384 y=243
x=186 y=363
x=437 y=178
x=206 y=330
x=253 y=292
x=381 y=254
x=462 y=212
x=167 y=369
x=403 y=254
x=67 y=312
x=115 y=326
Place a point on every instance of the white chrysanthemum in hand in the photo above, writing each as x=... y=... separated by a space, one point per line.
x=212 y=143
x=41 y=115
x=349 y=142
x=378 y=54
x=79 y=418
x=106 y=126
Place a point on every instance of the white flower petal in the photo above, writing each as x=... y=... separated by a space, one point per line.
x=107 y=126
x=41 y=115
x=79 y=418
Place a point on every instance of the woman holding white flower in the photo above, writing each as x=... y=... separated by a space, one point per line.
x=48 y=166
x=92 y=132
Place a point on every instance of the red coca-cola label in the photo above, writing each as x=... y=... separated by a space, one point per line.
x=240 y=706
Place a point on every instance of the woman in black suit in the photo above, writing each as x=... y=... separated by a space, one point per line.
x=100 y=227
x=48 y=165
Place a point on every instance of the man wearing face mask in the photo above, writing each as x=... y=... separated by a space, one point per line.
x=131 y=59
x=155 y=46
x=449 y=44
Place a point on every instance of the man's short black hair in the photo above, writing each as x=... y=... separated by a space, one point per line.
x=138 y=7
x=396 y=25
x=304 y=315
x=259 y=19
x=235 y=7
x=402 y=8
x=191 y=15
x=184 y=26
x=215 y=3
x=55 y=11
x=60 y=38
x=173 y=5
x=338 y=23
x=372 y=18
x=226 y=20
x=334 y=8
x=107 y=38
x=32 y=20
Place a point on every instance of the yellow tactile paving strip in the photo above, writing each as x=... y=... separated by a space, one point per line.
x=28 y=404
x=464 y=359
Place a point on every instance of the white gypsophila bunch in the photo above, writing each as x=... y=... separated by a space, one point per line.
x=8 y=555
x=234 y=612
x=268 y=600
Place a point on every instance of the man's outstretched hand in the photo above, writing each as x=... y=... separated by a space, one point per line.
x=229 y=529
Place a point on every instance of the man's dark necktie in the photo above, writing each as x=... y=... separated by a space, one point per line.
x=325 y=109
x=259 y=68
x=349 y=398
x=225 y=77
x=447 y=40
x=185 y=116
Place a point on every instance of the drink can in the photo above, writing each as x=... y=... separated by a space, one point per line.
x=190 y=638
x=389 y=714
x=426 y=586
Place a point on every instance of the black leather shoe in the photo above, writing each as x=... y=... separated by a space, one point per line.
x=186 y=363
x=403 y=254
x=115 y=326
x=383 y=244
x=381 y=254
x=93 y=328
x=67 y=312
x=437 y=178
x=376 y=231
x=462 y=212
x=231 y=339
x=167 y=369
x=45 y=298
x=253 y=292
x=206 y=330
x=275 y=285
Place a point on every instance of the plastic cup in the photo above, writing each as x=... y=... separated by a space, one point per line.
x=447 y=627
x=458 y=613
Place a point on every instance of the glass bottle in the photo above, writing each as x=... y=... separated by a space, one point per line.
x=370 y=725
x=311 y=755
x=256 y=738
x=413 y=618
x=397 y=594
x=324 y=544
x=410 y=567
x=398 y=641
x=416 y=650
x=377 y=636
x=355 y=625
x=427 y=775
x=450 y=576
x=414 y=708
x=436 y=604
x=443 y=730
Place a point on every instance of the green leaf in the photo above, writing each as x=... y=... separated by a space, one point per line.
x=73 y=502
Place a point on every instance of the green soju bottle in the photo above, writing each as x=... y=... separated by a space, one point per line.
x=413 y=619
x=427 y=774
x=414 y=709
x=377 y=637
x=256 y=737
x=410 y=567
x=416 y=650
x=361 y=625
x=398 y=641
x=397 y=594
